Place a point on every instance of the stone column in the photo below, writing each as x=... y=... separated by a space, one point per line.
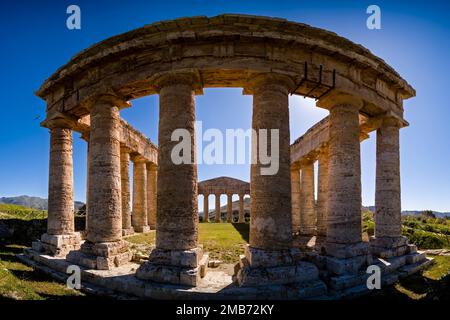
x=206 y=207
x=152 y=176
x=344 y=247
x=104 y=247
x=218 y=214
x=295 y=199
x=139 y=215
x=307 y=202
x=127 y=228
x=241 y=209
x=87 y=185
x=61 y=236
x=388 y=225
x=270 y=257
x=177 y=257
x=322 y=199
x=229 y=207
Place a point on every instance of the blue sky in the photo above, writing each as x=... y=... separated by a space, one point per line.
x=413 y=39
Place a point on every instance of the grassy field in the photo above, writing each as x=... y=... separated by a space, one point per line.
x=20 y=282
x=13 y=211
x=223 y=241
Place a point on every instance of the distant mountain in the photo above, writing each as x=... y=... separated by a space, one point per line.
x=32 y=202
x=414 y=212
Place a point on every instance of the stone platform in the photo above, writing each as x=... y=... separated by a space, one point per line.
x=218 y=285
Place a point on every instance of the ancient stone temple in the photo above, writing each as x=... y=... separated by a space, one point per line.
x=269 y=59
x=229 y=187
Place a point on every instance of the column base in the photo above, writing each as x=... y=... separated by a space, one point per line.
x=347 y=258
x=142 y=229
x=183 y=267
x=389 y=247
x=127 y=232
x=101 y=256
x=260 y=267
x=58 y=245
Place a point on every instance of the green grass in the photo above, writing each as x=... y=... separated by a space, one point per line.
x=13 y=211
x=19 y=282
x=223 y=241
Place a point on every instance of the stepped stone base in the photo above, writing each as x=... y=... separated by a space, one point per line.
x=101 y=256
x=281 y=271
x=183 y=267
x=58 y=245
x=314 y=281
x=387 y=247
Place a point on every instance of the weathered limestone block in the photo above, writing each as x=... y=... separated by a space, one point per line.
x=295 y=199
x=152 y=175
x=139 y=216
x=127 y=228
x=58 y=245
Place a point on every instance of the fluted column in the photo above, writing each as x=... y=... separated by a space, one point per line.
x=218 y=214
x=271 y=246
x=104 y=248
x=60 y=237
x=322 y=197
x=344 y=247
x=127 y=228
x=241 y=209
x=295 y=199
x=177 y=255
x=271 y=223
x=229 y=208
x=139 y=216
x=152 y=176
x=388 y=224
x=206 y=207
x=307 y=201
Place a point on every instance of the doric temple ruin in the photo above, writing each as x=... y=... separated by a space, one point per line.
x=270 y=59
x=219 y=186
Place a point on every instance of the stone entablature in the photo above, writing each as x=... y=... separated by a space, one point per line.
x=224 y=51
x=307 y=147
x=223 y=185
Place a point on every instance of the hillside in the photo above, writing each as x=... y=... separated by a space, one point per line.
x=32 y=202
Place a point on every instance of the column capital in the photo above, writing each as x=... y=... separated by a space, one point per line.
x=337 y=98
x=189 y=77
x=391 y=119
x=60 y=120
x=152 y=166
x=275 y=80
x=137 y=158
x=111 y=99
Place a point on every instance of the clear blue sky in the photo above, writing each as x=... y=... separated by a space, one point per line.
x=413 y=39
